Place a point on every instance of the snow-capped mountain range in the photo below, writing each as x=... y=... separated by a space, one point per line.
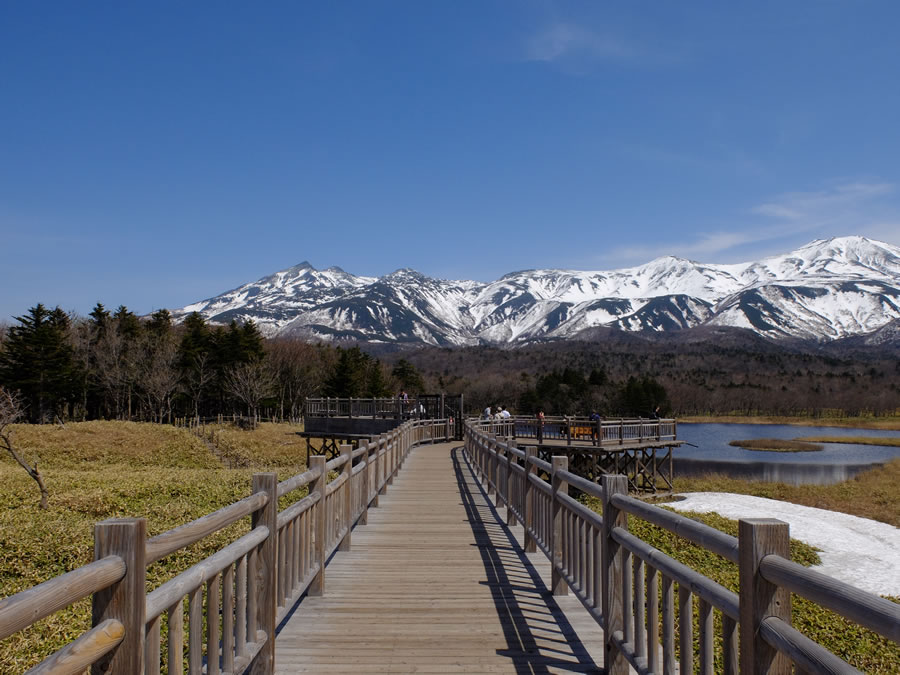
x=825 y=290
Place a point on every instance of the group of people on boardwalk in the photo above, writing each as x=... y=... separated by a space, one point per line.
x=498 y=413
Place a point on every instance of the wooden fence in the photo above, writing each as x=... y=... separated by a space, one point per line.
x=597 y=432
x=249 y=585
x=618 y=577
x=426 y=406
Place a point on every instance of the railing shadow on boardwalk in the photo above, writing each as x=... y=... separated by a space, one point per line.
x=519 y=618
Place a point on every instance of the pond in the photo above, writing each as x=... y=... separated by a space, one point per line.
x=836 y=462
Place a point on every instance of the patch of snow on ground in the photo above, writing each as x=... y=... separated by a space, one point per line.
x=858 y=551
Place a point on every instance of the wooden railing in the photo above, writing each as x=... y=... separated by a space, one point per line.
x=248 y=585
x=598 y=432
x=618 y=577
x=432 y=406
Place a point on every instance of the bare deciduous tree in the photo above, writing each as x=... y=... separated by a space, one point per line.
x=299 y=368
x=10 y=413
x=198 y=376
x=159 y=378
x=250 y=383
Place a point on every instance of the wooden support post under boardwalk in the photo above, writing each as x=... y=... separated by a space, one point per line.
x=530 y=468
x=317 y=587
x=124 y=601
x=557 y=582
x=346 y=451
x=266 y=571
x=757 y=538
x=613 y=565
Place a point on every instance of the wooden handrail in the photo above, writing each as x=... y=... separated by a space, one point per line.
x=277 y=550
x=33 y=604
x=875 y=613
x=84 y=651
x=604 y=577
x=164 y=544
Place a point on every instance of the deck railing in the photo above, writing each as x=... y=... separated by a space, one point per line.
x=236 y=596
x=618 y=577
x=598 y=432
x=433 y=406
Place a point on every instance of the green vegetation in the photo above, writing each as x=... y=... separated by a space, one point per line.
x=776 y=445
x=862 y=648
x=99 y=470
x=853 y=440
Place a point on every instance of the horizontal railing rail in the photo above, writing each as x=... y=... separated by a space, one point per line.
x=598 y=431
x=629 y=587
x=220 y=612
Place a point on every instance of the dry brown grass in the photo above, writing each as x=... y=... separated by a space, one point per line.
x=862 y=422
x=853 y=440
x=99 y=470
x=776 y=445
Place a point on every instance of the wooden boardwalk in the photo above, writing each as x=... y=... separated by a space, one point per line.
x=437 y=583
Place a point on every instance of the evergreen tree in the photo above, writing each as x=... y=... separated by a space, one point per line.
x=409 y=378
x=37 y=361
x=350 y=376
x=195 y=361
x=377 y=385
x=640 y=397
x=127 y=324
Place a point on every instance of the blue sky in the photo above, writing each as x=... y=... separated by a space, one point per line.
x=155 y=154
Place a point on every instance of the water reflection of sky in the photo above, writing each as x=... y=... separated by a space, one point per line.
x=712 y=441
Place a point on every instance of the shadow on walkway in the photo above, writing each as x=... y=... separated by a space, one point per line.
x=538 y=635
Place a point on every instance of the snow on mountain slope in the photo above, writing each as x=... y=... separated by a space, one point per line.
x=825 y=290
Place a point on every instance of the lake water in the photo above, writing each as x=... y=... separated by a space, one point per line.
x=836 y=462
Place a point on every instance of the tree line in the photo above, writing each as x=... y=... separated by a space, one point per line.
x=116 y=365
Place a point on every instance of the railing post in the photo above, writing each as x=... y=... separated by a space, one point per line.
x=557 y=582
x=266 y=571
x=391 y=457
x=510 y=482
x=382 y=466
x=364 y=485
x=530 y=545
x=319 y=484
x=613 y=566
x=568 y=431
x=490 y=456
x=757 y=538
x=124 y=601
x=347 y=470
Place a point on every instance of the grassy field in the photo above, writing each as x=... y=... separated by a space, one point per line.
x=776 y=445
x=861 y=422
x=99 y=470
x=853 y=440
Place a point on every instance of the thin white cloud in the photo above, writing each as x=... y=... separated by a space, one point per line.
x=790 y=219
x=565 y=39
x=839 y=203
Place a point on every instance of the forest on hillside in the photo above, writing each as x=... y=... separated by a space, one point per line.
x=116 y=365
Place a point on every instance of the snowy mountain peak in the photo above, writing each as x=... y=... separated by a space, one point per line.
x=826 y=289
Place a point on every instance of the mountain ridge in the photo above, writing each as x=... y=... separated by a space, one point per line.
x=829 y=289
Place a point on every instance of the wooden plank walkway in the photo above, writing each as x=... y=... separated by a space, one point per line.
x=437 y=583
